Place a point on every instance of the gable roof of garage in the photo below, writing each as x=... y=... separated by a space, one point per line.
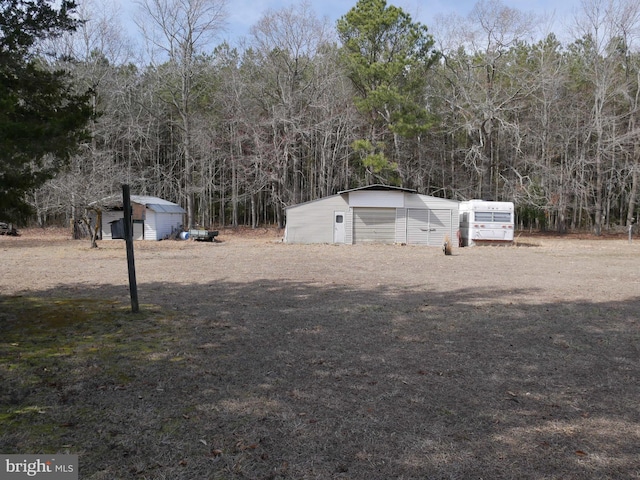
x=375 y=187
x=381 y=187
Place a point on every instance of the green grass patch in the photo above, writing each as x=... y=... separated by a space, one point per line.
x=55 y=353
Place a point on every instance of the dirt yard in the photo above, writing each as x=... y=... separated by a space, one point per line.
x=254 y=359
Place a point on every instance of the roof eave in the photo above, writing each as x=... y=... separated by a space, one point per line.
x=379 y=187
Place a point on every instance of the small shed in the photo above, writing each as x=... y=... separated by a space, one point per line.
x=153 y=218
x=373 y=214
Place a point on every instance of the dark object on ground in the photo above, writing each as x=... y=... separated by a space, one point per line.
x=203 y=235
x=8 y=229
x=446 y=248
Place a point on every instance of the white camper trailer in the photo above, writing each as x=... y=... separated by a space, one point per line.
x=486 y=223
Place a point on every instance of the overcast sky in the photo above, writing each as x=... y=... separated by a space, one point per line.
x=245 y=13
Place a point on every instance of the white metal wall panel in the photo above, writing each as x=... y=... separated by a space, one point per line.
x=401 y=225
x=312 y=222
x=164 y=225
x=375 y=225
x=150 y=229
x=348 y=234
x=427 y=201
x=429 y=227
x=440 y=226
x=418 y=226
x=376 y=199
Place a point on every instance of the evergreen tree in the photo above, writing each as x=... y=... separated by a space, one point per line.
x=386 y=56
x=41 y=117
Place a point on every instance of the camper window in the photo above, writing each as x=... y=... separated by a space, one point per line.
x=483 y=217
x=503 y=217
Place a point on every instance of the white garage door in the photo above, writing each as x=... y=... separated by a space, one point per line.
x=375 y=225
x=428 y=227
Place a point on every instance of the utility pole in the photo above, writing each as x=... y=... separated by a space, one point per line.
x=128 y=237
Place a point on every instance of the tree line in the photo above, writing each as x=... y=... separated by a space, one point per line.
x=483 y=106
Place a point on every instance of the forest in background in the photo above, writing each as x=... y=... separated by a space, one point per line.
x=483 y=106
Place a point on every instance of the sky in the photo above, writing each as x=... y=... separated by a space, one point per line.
x=245 y=13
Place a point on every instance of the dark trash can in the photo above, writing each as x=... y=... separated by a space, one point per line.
x=117 y=229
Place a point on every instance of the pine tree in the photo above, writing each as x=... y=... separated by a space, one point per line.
x=386 y=56
x=42 y=118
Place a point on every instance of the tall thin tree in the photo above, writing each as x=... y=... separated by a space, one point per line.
x=177 y=32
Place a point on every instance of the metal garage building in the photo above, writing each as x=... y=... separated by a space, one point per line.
x=373 y=214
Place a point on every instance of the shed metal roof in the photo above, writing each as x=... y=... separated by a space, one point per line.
x=379 y=186
x=161 y=208
x=155 y=204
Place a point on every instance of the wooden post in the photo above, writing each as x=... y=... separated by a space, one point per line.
x=128 y=236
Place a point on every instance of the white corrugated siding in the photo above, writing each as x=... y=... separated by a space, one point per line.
x=401 y=225
x=312 y=222
x=150 y=232
x=163 y=224
x=375 y=225
x=442 y=221
x=418 y=226
x=429 y=227
x=348 y=227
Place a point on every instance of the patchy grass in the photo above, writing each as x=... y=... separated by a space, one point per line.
x=56 y=350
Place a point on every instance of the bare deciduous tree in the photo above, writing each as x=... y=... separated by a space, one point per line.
x=605 y=26
x=483 y=80
x=179 y=30
x=236 y=135
x=287 y=45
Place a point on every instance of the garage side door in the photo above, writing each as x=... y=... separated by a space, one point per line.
x=418 y=226
x=375 y=225
x=428 y=227
x=440 y=222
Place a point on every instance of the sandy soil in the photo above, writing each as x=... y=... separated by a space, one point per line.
x=537 y=269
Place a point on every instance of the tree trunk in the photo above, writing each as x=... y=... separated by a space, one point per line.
x=634 y=188
x=597 y=226
x=234 y=192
